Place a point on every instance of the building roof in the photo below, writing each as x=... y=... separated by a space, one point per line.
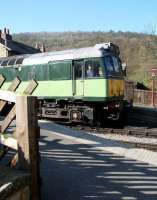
x=18 y=48
x=15 y=47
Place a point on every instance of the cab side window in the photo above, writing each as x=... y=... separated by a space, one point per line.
x=93 y=69
x=78 y=65
x=109 y=64
x=116 y=64
x=89 y=72
x=112 y=65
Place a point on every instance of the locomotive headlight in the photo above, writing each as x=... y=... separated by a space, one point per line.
x=117 y=105
x=75 y=115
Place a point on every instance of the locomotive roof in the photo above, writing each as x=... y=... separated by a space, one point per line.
x=41 y=58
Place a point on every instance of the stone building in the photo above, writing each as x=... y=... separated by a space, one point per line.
x=9 y=47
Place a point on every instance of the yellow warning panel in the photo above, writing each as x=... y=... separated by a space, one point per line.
x=115 y=87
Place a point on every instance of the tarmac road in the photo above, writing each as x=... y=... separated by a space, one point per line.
x=75 y=171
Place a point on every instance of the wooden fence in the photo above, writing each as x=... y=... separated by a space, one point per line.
x=145 y=97
x=24 y=134
x=138 y=96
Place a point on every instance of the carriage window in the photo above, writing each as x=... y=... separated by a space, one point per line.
x=11 y=62
x=78 y=69
x=59 y=70
x=109 y=64
x=93 y=69
x=19 y=61
x=4 y=63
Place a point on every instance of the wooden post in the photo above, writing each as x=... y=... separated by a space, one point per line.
x=154 y=73
x=27 y=137
x=153 y=88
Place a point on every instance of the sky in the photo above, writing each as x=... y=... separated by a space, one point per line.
x=79 y=15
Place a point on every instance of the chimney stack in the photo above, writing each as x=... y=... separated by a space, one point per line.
x=8 y=32
x=5 y=34
x=42 y=48
x=9 y=37
x=36 y=45
x=5 y=31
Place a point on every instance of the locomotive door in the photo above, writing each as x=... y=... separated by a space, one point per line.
x=78 y=78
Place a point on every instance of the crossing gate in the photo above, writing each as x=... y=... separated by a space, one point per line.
x=24 y=132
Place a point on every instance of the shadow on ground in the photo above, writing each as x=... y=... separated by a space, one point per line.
x=72 y=171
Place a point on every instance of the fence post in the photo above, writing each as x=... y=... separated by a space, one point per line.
x=153 y=90
x=27 y=138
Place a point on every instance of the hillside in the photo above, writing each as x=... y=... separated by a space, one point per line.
x=138 y=50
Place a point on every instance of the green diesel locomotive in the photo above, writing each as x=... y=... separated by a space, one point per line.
x=73 y=85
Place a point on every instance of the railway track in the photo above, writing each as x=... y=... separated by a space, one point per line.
x=138 y=137
x=130 y=131
x=140 y=131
